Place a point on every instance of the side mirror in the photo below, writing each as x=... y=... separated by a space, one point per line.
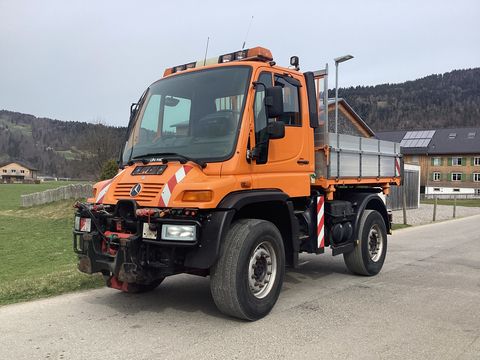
x=133 y=110
x=274 y=101
x=276 y=130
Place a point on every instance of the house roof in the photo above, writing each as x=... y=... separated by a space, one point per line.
x=21 y=163
x=349 y=109
x=443 y=141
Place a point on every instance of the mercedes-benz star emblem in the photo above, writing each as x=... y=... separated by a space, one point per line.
x=136 y=190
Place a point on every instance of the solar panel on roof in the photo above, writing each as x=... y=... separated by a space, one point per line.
x=419 y=138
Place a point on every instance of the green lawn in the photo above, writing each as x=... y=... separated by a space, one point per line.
x=399 y=226
x=36 y=253
x=460 y=202
x=10 y=193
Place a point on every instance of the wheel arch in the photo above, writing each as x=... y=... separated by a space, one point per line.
x=270 y=205
x=366 y=201
x=377 y=204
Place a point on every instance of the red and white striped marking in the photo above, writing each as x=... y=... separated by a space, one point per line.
x=320 y=222
x=171 y=183
x=101 y=194
x=397 y=167
x=85 y=224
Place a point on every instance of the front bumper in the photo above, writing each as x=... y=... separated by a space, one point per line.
x=130 y=257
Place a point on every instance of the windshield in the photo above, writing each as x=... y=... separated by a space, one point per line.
x=196 y=115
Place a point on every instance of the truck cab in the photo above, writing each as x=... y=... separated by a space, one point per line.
x=229 y=171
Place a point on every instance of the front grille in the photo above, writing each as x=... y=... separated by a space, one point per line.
x=149 y=191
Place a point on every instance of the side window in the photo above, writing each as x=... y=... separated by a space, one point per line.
x=260 y=115
x=291 y=104
x=176 y=116
x=149 y=125
x=152 y=112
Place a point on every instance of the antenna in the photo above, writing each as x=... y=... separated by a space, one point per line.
x=206 y=51
x=248 y=31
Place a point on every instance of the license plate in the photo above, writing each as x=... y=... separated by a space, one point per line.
x=148 y=233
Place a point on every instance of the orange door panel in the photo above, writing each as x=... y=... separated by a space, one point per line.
x=289 y=163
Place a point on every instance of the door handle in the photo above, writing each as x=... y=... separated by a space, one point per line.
x=303 y=162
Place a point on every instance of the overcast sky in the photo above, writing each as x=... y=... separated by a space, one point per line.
x=88 y=60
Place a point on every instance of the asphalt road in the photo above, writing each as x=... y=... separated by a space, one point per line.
x=425 y=304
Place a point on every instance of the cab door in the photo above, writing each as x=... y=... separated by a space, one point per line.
x=288 y=165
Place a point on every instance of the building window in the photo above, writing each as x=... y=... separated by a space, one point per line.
x=22 y=171
x=414 y=159
x=5 y=170
x=476 y=177
x=13 y=171
x=456 y=176
x=457 y=161
x=456 y=190
x=436 y=189
x=476 y=161
x=477 y=191
x=437 y=161
x=452 y=135
x=436 y=176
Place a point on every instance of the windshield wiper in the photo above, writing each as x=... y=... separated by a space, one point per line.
x=183 y=158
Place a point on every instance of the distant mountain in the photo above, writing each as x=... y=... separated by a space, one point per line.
x=58 y=148
x=436 y=101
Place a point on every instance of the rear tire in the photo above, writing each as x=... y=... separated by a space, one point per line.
x=248 y=276
x=368 y=256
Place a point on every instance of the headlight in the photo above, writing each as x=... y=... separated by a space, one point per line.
x=179 y=232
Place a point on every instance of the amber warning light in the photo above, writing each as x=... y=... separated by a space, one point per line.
x=255 y=54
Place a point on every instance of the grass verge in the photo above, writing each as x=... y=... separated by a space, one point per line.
x=400 y=226
x=36 y=249
x=460 y=202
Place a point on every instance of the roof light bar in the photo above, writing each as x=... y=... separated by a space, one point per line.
x=255 y=54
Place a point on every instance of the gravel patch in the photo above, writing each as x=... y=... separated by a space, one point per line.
x=424 y=214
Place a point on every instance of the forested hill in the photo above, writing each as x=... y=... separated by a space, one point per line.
x=435 y=101
x=58 y=148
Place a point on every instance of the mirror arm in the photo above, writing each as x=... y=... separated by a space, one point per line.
x=257 y=83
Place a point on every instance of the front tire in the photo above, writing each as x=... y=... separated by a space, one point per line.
x=248 y=276
x=368 y=256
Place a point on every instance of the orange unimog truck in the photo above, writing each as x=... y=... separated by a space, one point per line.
x=229 y=171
